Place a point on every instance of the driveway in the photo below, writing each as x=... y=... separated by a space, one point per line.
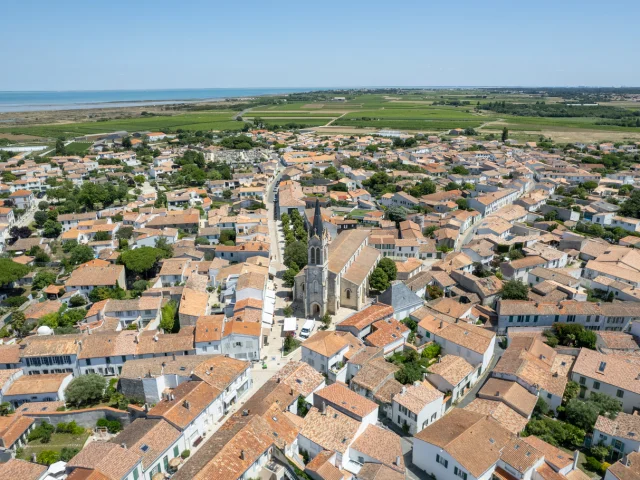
x=473 y=391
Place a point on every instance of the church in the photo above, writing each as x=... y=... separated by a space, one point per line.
x=337 y=272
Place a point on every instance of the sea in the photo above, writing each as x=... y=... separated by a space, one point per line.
x=82 y=99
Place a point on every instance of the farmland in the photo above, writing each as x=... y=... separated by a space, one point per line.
x=427 y=111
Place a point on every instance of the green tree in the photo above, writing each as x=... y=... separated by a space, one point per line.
x=463 y=204
x=60 y=148
x=397 y=214
x=167 y=323
x=43 y=279
x=409 y=372
x=431 y=351
x=590 y=185
x=11 y=271
x=516 y=254
x=379 y=280
x=227 y=194
x=515 y=290
x=389 y=267
x=102 y=236
x=505 y=134
x=40 y=218
x=296 y=252
x=541 y=407
x=165 y=247
x=86 y=389
x=571 y=391
x=81 y=254
x=47 y=457
x=124 y=233
x=141 y=260
x=460 y=170
x=51 y=229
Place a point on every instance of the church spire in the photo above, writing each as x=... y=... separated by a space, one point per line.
x=318 y=227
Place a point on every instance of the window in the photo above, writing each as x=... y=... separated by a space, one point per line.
x=136 y=475
x=619 y=393
x=176 y=451
x=582 y=380
x=460 y=473
x=165 y=461
x=596 y=385
x=548 y=395
x=442 y=461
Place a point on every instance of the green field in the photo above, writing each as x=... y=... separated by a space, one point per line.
x=407 y=112
x=78 y=148
x=57 y=443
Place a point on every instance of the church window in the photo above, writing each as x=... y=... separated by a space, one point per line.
x=312 y=260
x=348 y=292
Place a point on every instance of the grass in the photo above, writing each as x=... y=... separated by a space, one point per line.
x=57 y=443
x=78 y=148
x=411 y=112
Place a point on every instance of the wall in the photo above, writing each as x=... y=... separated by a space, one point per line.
x=86 y=417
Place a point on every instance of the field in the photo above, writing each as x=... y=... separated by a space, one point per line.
x=78 y=148
x=424 y=111
x=57 y=443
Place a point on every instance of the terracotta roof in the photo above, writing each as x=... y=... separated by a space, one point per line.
x=472 y=439
x=364 y=318
x=50 y=345
x=326 y=343
x=220 y=371
x=623 y=426
x=511 y=393
x=416 y=397
x=555 y=457
x=9 y=354
x=378 y=471
x=86 y=275
x=520 y=455
x=628 y=468
x=197 y=396
x=505 y=415
x=209 y=328
x=149 y=438
x=22 y=470
x=12 y=427
x=193 y=302
x=452 y=368
x=301 y=376
x=34 y=384
x=110 y=459
x=381 y=445
x=619 y=371
x=333 y=431
x=346 y=401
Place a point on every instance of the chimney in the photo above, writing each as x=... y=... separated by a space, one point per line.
x=186 y=404
x=80 y=345
x=33 y=457
x=278 y=380
x=155 y=338
x=324 y=408
x=242 y=454
x=172 y=397
x=441 y=323
x=439 y=358
x=397 y=462
x=174 y=357
x=123 y=445
x=576 y=455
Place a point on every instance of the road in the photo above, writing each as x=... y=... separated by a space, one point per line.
x=27 y=218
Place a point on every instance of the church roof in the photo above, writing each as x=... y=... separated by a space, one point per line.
x=317 y=228
x=400 y=297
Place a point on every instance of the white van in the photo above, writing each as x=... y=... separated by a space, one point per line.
x=307 y=328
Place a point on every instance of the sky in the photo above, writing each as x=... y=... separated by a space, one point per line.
x=140 y=44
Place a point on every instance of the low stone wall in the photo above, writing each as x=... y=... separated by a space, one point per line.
x=86 y=417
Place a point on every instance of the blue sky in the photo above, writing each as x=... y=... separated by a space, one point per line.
x=95 y=44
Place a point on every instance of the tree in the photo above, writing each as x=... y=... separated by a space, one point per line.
x=389 y=267
x=379 y=280
x=452 y=186
x=47 y=457
x=227 y=194
x=541 y=407
x=505 y=134
x=102 y=236
x=60 y=148
x=590 y=185
x=201 y=241
x=409 y=372
x=11 y=271
x=396 y=214
x=462 y=203
x=289 y=275
x=165 y=247
x=81 y=254
x=434 y=291
x=516 y=255
x=571 y=391
x=287 y=311
x=139 y=179
x=5 y=409
x=51 y=229
x=551 y=216
x=167 y=323
x=124 y=233
x=460 y=170
x=431 y=351
x=86 y=389
x=141 y=260
x=77 y=301
x=20 y=232
x=43 y=279
x=40 y=218
x=515 y=290
x=584 y=414
x=296 y=252
x=631 y=207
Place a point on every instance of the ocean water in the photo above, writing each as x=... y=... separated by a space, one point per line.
x=69 y=100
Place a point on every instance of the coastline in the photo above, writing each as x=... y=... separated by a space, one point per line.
x=24 y=102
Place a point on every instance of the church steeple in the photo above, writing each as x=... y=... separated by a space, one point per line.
x=317 y=227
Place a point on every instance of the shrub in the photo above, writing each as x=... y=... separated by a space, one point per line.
x=86 y=389
x=47 y=457
x=42 y=432
x=77 y=301
x=15 y=301
x=71 y=427
x=431 y=351
x=68 y=453
x=185 y=454
x=593 y=465
x=113 y=426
